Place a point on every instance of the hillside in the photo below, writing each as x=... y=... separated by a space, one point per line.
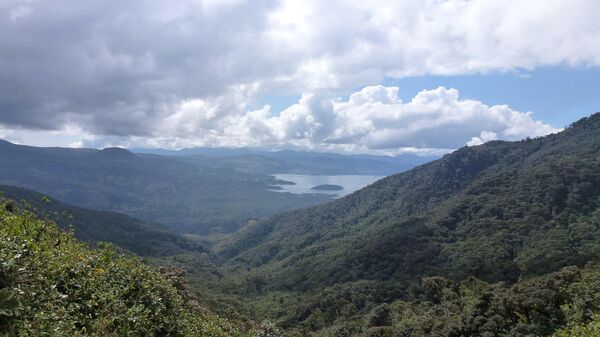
x=51 y=285
x=501 y=211
x=156 y=244
x=93 y=226
x=184 y=196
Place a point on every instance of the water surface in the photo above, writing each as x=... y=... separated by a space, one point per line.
x=304 y=183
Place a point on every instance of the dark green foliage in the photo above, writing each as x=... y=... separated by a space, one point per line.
x=268 y=329
x=493 y=240
x=500 y=212
x=8 y=302
x=102 y=226
x=566 y=300
x=531 y=307
x=380 y=316
x=50 y=285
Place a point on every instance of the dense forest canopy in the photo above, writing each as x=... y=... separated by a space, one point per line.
x=500 y=212
x=130 y=234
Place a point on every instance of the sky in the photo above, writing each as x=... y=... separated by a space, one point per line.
x=379 y=77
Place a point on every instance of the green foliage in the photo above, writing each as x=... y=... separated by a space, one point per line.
x=591 y=329
x=128 y=233
x=268 y=329
x=54 y=286
x=8 y=302
x=494 y=240
x=500 y=212
x=531 y=307
x=380 y=316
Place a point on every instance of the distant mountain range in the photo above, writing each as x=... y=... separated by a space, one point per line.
x=184 y=196
x=188 y=193
x=299 y=162
x=130 y=234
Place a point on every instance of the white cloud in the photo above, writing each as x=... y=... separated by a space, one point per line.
x=19 y=13
x=186 y=72
x=69 y=135
x=484 y=137
x=342 y=39
x=372 y=120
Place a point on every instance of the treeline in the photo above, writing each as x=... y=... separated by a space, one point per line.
x=563 y=303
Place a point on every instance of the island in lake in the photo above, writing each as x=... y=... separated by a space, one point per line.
x=327 y=187
x=284 y=182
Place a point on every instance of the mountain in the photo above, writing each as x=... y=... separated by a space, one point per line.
x=296 y=162
x=185 y=196
x=500 y=212
x=93 y=226
x=114 y=153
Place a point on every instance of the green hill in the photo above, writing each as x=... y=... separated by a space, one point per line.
x=500 y=212
x=93 y=226
x=51 y=285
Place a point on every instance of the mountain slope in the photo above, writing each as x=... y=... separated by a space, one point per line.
x=156 y=244
x=102 y=226
x=499 y=211
x=51 y=285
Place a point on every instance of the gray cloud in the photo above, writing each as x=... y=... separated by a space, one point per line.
x=151 y=69
x=372 y=120
x=101 y=62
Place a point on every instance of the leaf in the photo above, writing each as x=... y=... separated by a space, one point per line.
x=8 y=302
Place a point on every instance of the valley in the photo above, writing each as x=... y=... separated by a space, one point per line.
x=501 y=224
x=284 y=168
x=189 y=194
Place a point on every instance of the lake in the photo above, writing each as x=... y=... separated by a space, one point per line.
x=304 y=183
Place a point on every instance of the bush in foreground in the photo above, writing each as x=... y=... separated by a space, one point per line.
x=52 y=285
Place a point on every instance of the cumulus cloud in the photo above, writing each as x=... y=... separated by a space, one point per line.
x=484 y=137
x=159 y=70
x=372 y=120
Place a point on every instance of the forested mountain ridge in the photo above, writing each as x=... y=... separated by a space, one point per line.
x=93 y=226
x=52 y=285
x=499 y=212
x=211 y=193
